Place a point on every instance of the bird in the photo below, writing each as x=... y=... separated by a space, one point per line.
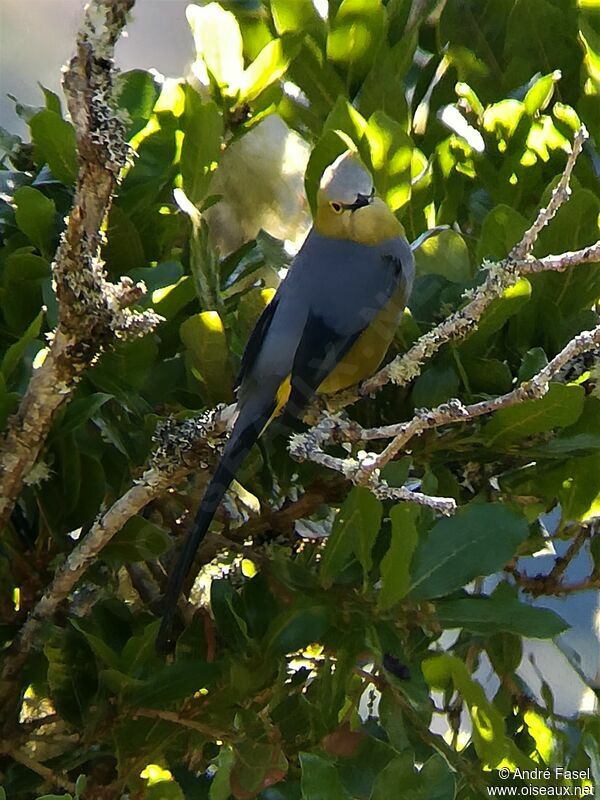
x=327 y=327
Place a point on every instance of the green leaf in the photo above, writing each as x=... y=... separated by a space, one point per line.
x=152 y=170
x=505 y=651
x=497 y=314
x=268 y=66
x=540 y=94
x=124 y=250
x=395 y=565
x=528 y=44
x=399 y=779
x=359 y=771
x=297 y=17
x=72 y=676
x=502 y=228
x=201 y=150
x=80 y=411
x=355 y=33
x=55 y=797
x=434 y=386
x=436 y=779
x=354 y=531
x=227 y=610
x=36 y=217
x=495 y=614
x=295 y=629
x=206 y=342
x=89 y=501
x=391 y=150
x=477 y=541
x=533 y=361
x=257 y=764
x=55 y=144
x=218 y=44
x=489 y=736
x=561 y=406
x=317 y=78
x=138 y=540
x=16 y=351
x=136 y=92
x=164 y=790
x=52 y=100
x=21 y=266
x=488 y=375
x=463 y=90
x=220 y=788
x=320 y=780
x=171 y=683
x=444 y=254
x=379 y=90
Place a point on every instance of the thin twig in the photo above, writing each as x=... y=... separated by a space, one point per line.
x=177 y=719
x=365 y=471
x=51 y=777
x=560 y=195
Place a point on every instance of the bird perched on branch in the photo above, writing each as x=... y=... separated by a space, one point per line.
x=328 y=327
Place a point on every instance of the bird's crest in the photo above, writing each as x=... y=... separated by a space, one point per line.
x=345 y=179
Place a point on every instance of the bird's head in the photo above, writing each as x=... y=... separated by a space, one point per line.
x=347 y=207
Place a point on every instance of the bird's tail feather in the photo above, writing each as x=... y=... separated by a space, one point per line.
x=243 y=437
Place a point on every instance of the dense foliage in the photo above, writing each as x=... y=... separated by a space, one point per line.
x=464 y=110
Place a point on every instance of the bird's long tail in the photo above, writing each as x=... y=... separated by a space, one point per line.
x=242 y=438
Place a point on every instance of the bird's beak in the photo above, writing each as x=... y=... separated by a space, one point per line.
x=361 y=201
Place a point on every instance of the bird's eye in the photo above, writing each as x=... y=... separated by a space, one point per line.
x=336 y=207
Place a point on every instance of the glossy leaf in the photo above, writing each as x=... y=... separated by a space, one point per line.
x=36 y=217
x=137 y=92
x=201 y=149
x=354 y=530
x=54 y=142
x=390 y=150
x=16 y=351
x=444 y=254
x=355 y=32
x=204 y=337
x=138 y=540
x=478 y=540
x=560 y=407
x=488 y=615
x=268 y=66
x=395 y=566
x=320 y=780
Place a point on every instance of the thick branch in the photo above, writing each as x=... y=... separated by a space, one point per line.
x=92 y=312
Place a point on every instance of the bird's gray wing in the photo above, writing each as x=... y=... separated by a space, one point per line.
x=355 y=283
x=333 y=291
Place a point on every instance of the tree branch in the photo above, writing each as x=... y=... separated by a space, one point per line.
x=92 y=311
x=500 y=276
x=405 y=368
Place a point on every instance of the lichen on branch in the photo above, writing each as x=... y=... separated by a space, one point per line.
x=92 y=312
